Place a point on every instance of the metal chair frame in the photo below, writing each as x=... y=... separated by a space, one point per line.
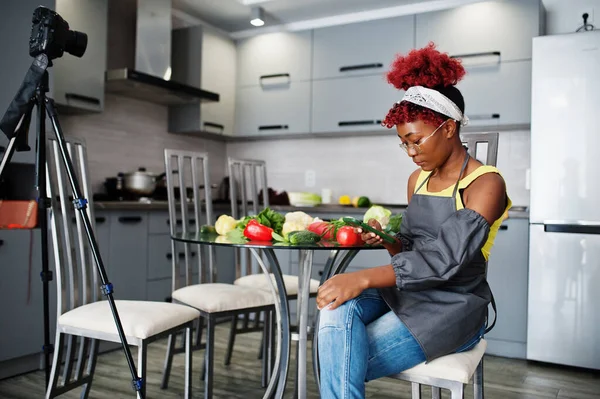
x=78 y=283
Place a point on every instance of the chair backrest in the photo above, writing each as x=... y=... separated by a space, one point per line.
x=482 y=146
x=77 y=278
x=246 y=179
x=186 y=172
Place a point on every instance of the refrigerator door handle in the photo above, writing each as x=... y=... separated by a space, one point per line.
x=573 y=228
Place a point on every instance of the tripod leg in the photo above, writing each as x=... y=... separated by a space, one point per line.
x=81 y=204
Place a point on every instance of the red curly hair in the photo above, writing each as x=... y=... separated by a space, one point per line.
x=429 y=68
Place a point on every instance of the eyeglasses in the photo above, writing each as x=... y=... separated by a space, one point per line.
x=417 y=147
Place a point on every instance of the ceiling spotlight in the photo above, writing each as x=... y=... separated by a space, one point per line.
x=257 y=16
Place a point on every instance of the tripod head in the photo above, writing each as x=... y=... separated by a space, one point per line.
x=50 y=38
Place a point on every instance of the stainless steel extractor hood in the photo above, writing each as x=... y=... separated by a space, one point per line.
x=139 y=55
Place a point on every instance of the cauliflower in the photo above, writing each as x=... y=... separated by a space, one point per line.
x=225 y=224
x=296 y=221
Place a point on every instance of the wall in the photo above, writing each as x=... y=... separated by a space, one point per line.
x=372 y=166
x=131 y=134
x=564 y=16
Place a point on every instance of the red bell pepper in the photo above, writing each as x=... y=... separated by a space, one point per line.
x=255 y=231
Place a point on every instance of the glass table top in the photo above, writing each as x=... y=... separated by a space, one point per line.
x=214 y=239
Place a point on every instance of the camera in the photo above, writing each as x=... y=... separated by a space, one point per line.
x=50 y=34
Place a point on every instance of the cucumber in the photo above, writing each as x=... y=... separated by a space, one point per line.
x=206 y=229
x=303 y=237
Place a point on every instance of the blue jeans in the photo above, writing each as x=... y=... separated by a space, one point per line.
x=363 y=340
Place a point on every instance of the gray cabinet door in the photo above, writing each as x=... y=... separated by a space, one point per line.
x=361 y=48
x=507 y=277
x=279 y=53
x=498 y=95
x=15 y=30
x=21 y=293
x=271 y=109
x=218 y=76
x=79 y=82
x=128 y=254
x=351 y=104
x=492 y=26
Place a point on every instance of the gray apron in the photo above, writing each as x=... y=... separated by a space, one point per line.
x=444 y=318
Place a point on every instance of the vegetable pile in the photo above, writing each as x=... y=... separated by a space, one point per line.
x=297 y=228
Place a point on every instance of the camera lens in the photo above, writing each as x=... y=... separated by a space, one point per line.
x=76 y=43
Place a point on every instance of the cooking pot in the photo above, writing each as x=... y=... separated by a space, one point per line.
x=142 y=182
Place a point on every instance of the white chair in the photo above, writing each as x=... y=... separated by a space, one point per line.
x=251 y=175
x=451 y=372
x=83 y=317
x=454 y=371
x=214 y=300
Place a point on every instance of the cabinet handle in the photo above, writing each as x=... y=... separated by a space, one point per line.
x=320 y=272
x=362 y=66
x=169 y=299
x=130 y=219
x=276 y=75
x=273 y=127
x=179 y=222
x=503 y=227
x=481 y=117
x=181 y=255
x=99 y=220
x=85 y=99
x=215 y=125
x=471 y=55
x=1 y=243
x=2 y=148
x=359 y=123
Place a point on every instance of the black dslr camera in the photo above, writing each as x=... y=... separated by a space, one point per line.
x=50 y=34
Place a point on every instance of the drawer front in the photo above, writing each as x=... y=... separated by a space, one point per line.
x=335 y=48
x=159 y=223
x=352 y=104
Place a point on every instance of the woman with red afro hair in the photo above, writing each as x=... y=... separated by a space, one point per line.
x=432 y=299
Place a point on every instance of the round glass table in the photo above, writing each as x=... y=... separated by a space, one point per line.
x=337 y=262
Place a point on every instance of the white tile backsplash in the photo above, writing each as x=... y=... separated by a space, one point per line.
x=130 y=134
x=373 y=166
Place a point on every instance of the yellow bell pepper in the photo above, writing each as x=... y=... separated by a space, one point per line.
x=345 y=200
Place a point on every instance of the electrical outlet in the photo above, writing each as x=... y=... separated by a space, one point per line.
x=310 y=178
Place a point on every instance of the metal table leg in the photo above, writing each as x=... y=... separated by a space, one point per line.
x=306 y=257
x=278 y=379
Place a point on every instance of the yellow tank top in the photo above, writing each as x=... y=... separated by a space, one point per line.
x=464 y=183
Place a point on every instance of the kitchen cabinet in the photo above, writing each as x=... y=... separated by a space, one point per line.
x=504 y=27
x=21 y=294
x=218 y=76
x=79 y=82
x=498 y=94
x=279 y=56
x=15 y=30
x=128 y=257
x=508 y=278
x=273 y=108
x=335 y=48
x=351 y=104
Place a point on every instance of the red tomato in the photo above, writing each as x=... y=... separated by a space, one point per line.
x=347 y=237
x=324 y=229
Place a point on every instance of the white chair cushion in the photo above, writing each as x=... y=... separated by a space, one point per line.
x=140 y=319
x=455 y=367
x=217 y=297
x=259 y=280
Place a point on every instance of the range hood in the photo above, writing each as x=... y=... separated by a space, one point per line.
x=140 y=57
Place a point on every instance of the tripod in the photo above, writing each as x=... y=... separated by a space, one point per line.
x=15 y=125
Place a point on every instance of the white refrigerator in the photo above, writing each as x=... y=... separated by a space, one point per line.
x=564 y=262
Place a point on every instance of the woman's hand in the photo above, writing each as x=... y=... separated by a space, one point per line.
x=339 y=289
x=374 y=239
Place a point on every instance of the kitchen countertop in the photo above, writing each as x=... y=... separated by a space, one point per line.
x=516 y=212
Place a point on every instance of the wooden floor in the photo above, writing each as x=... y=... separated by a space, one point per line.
x=504 y=378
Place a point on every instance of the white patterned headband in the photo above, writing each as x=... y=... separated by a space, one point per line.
x=436 y=101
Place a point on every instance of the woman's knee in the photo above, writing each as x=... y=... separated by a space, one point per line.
x=336 y=318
